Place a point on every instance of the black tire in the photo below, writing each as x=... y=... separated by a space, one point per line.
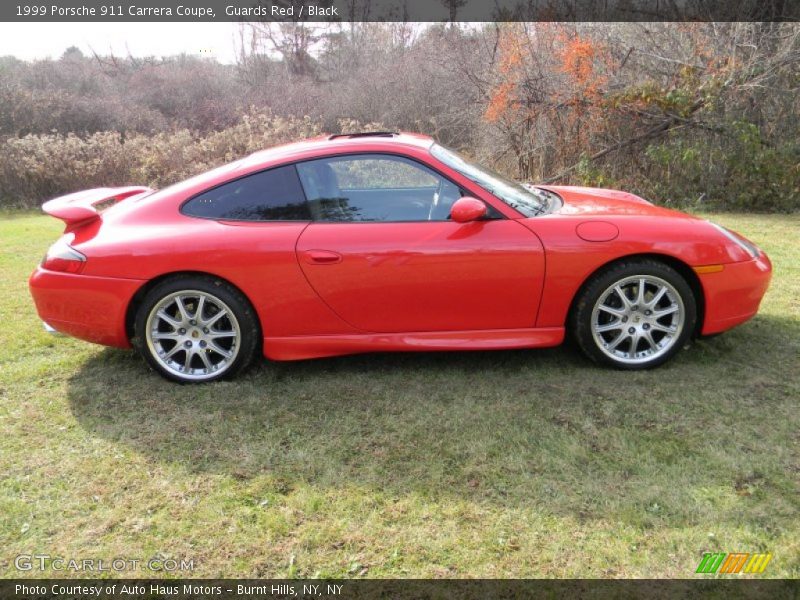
x=244 y=345
x=583 y=314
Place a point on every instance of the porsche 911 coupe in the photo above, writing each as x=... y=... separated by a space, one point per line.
x=384 y=242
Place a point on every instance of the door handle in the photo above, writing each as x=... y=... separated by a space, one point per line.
x=322 y=257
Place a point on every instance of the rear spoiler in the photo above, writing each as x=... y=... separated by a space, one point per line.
x=79 y=208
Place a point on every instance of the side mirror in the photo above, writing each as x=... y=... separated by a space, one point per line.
x=467 y=209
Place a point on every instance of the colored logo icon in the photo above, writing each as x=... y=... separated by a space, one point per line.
x=735 y=562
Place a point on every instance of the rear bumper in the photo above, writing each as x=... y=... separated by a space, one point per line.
x=88 y=308
x=51 y=330
x=733 y=295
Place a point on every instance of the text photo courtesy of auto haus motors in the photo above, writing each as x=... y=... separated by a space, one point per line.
x=382 y=299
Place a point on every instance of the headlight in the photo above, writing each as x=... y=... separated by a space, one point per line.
x=743 y=243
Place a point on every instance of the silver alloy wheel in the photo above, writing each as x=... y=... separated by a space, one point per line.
x=637 y=319
x=193 y=334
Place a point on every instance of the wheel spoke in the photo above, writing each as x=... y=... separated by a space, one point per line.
x=609 y=327
x=640 y=291
x=617 y=341
x=169 y=320
x=664 y=328
x=621 y=293
x=613 y=311
x=657 y=297
x=181 y=308
x=215 y=335
x=635 y=337
x=160 y=335
x=173 y=351
x=187 y=361
x=648 y=337
x=206 y=362
x=665 y=311
x=198 y=313
x=215 y=318
x=219 y=350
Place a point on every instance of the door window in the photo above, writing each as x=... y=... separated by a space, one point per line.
x=375 y=188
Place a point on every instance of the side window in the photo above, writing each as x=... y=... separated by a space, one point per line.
x=375 y=187
x=273 y=195
x=378 y=173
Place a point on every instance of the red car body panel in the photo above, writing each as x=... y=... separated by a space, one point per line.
x=88 y=308
x=733 y=295
x=433 y=276
x=643 y=229
x=322 y=288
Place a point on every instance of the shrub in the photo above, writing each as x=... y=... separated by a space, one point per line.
x=741 y=173
x=35 y=168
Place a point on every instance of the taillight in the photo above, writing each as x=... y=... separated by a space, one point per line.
x=63 y=257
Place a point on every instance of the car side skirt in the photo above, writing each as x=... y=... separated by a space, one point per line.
x=318 y=346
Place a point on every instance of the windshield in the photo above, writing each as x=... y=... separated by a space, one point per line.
x=530 y=201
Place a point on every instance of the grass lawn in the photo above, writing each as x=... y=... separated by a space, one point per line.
x=491 y=464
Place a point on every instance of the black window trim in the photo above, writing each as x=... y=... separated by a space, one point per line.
x=294 y=163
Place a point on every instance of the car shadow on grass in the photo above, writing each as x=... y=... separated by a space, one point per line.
x=543 y=429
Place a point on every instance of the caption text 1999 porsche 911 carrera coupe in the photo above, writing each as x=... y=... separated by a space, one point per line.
x=384 y=242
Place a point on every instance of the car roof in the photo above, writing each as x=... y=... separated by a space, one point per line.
x=308 y=149
x=333 y=144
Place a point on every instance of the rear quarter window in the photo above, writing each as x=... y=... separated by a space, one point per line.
x=273 y=195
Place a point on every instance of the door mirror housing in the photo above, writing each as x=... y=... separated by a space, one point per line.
x=467 y=209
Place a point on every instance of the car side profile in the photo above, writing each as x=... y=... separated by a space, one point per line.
x=384 y=242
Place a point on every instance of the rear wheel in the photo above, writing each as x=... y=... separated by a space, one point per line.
x=196 y=329
x=636 y=314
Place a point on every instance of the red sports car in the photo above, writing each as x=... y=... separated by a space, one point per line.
x=384 y=241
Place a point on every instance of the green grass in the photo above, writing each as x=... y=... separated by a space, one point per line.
x=495 y=464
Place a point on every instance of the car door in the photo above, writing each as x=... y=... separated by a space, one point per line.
x=383 y=254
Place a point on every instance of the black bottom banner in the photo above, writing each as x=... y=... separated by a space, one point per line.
x=236 y=589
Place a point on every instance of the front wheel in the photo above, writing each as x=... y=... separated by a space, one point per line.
x=196 y=329
x=634 y=315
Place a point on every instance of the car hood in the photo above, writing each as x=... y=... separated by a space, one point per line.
x=600 y=202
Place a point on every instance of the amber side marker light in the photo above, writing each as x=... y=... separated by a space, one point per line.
x=708 y=269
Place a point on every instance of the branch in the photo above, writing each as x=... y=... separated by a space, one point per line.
x=653 y=132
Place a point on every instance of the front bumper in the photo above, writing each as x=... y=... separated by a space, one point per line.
x=733 y=295
x=82 y=306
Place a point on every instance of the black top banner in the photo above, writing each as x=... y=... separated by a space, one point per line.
x=398 y=10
